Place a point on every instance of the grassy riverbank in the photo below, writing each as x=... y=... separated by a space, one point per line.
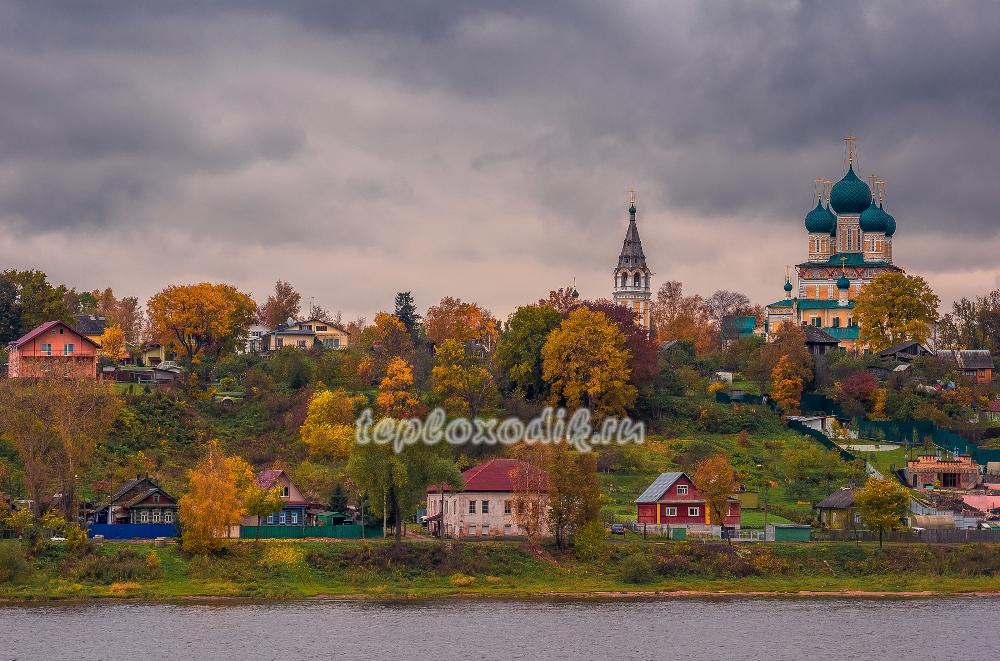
x=273 y=570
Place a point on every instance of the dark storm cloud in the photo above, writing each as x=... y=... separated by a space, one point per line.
x=476 y=133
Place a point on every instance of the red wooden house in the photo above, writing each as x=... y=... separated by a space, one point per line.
x=673 y=499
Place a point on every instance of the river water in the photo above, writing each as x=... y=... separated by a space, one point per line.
x=725 y=628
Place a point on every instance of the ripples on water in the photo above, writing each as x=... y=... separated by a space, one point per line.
x=773 y=629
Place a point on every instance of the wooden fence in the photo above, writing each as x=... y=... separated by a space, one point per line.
x=946 y=536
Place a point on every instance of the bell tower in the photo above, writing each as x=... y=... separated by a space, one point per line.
x=631 y=285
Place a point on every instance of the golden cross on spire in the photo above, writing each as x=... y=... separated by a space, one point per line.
x=820 y=183
x=880 y=184
x=850 y=148
x=827 y=187
x=843 y=265
x=788 y=277
x=631 y=197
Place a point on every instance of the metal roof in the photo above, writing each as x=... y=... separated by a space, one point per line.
x=659 y=486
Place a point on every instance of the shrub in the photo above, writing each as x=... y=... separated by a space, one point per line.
x=13 y=566
x=589 y=543
x=637 y=569
x=284 y=556
x=123 y=564
x=460 y=580
x=124 y=587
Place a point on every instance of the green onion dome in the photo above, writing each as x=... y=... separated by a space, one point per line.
x=843 y=283
x=819 y=220
x=850 y=195
x=890 y=222
x=873 y=219
x=788 y=287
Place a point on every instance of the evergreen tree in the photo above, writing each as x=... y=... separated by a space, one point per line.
x=338 y=499
x=406 y=312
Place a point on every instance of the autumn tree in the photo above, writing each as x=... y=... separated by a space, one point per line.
x=55 y=425
x=386 y=339
x=882 y=504
x=530 y=491
x=789 y=340
x=195 y=319
x=686 y=318
x=113 y=343
x=125 y=313
x=643 y=350
x=574 y=491
x=460 y=380
x=561 y=300
x=519 y=349
x=213 y=502
x=786 y=385
x=973 y=324
x=894 y=307
x=715 y=478
x=284 y=304
x=454 y=319
x=585 y=363
x=328 y=430
x=396 y=396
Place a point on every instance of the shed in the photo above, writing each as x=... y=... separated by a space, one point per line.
x=933 y=521
x=788 y=532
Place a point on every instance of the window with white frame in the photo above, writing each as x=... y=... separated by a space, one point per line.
x=694 y=511
x=270 y=519
x=472 y=507
x=669 y=511
x=682 y=489
x=282 y=518
x=486 y=507
x=144 y=516
x=68 y=349
x=284 y=492
x=168 y=516
x=46 y=348
x=295 y=518
x=156 y=516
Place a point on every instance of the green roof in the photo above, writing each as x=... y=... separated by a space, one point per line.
x=787 y=303
x=843 y=333
x=850 y=194
x=822 y=304
x=849 y=259
x=819 y=220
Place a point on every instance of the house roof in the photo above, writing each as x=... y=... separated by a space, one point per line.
x=267 y=478
x=994 y=407
x=969 y=359
x=841 y=499
x=44 y=328
x=495 y=475
x=981 y=502
x=816 y=335
x=659 y=487
x=903 y=346
x=146 y=494
x=823 y=304
x=89 y=324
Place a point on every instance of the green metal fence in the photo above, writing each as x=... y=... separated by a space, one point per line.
x=915 y=432
x=821 y=438
x=347 y=531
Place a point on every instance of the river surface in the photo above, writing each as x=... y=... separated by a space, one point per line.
x=729 y=628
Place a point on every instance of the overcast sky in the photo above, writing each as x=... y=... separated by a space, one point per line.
x=485 y=150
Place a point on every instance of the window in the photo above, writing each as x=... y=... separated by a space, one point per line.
x=336 y=343
x=279 y=342
x=949 y=479
x=156 y=516
x=68 y=349
x=321 y=328
x=694 y=511
x=295 y=518
x=144 y=516
x=284 y=492
x=156 y=498
x=486 y=530
x=472 y=507
x=669 y=511
x=682 y=489
x=486 y=507
x=282 y=518
x=168 y=516
x=836 y=322
x=270 y=519
x=817 y=322
x=636 y=280
x=301 y=344
x=507 y=509
x=46 y=349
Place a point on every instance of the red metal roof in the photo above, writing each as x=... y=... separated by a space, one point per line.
x=48 y=325
x=494 y=475
x=267 y=478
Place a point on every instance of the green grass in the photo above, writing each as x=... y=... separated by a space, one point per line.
x=506 y=569
x=755 y=518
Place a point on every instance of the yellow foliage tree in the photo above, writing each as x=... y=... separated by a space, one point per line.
x=396 y=398
x=786 y=385
x=193 y=319
x=460 y=381
x=715 y=478
x=895 y=307
x=585 y=363
x=386 y=339
x=214 y=501
x=113 y=343
x=882 y=504
x=328 y=430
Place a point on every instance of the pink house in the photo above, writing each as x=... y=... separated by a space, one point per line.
x=53 y=349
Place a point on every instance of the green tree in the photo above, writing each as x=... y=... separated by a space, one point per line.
x=338 y=499
x=574 y=492
x=882 y=504
x=38 y=300
x=10 y=312
x=519 y=349
x=894 y=307
x=261 y=502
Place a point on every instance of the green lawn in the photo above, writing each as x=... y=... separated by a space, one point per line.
x=755 y=519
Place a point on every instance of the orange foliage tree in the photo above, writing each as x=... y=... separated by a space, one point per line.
x=194 y=319
x=679 y=317
x=396 y=397
x=454 y=319
x=388 y=338
x=786 y=385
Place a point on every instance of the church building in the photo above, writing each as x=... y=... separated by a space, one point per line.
x=631 y=286
x=850 y=243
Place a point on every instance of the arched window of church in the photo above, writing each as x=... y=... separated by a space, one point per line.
x=624 y=279
x=636 y=280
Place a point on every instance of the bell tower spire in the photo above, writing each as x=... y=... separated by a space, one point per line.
x=631 y=285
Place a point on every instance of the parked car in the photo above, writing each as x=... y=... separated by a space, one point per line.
x=617 y=529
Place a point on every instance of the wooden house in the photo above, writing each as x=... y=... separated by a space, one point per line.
x=673 y=499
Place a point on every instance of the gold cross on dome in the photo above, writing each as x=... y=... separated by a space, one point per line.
x=631 y=196
x=850 y=148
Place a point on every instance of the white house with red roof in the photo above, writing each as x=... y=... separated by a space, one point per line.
x=485 y=507
x=53 y=349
